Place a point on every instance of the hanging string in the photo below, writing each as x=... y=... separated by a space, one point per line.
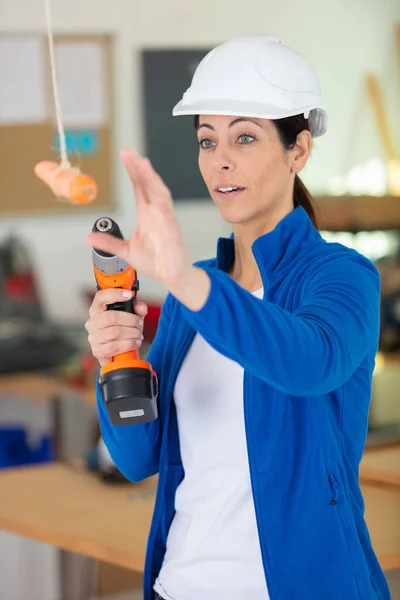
x=67 y=183
x=65 y=164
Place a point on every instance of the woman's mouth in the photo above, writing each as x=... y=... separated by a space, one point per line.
x=229 y=191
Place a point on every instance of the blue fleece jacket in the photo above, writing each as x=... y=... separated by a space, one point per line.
x=308 y=350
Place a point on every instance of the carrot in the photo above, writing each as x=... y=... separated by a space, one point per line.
x=69 y=184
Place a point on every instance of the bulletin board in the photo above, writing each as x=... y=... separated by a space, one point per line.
x=28 y=132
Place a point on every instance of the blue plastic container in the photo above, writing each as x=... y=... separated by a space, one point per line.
x=16 y=451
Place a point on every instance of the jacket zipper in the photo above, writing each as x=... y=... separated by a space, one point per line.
x=253 y=475
x=161 y=482
x=254 y=485
x=334 y=488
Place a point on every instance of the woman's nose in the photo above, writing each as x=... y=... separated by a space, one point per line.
x=223 y=160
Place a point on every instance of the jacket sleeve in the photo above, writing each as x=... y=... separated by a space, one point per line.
x=308 y=352
x=135 y=449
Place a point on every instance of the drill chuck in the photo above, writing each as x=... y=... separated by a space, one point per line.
x=103 y=225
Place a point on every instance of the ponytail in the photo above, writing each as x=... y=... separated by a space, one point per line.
x=288 y=130
x=302 y=197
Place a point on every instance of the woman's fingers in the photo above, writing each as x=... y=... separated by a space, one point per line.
x=140 y=308
x=116 y=333
x=148 y=185
x=158 y=192
x=131 y=161
x=103 y=298
x=109 y=243
x=114 y=318
x=105 y=352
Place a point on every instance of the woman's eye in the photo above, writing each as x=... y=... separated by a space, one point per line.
x=246 y=138
x=206 y=143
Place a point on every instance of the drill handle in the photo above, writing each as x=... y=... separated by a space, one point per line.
x=127 y=306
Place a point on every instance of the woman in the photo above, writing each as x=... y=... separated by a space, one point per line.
x=264 y=355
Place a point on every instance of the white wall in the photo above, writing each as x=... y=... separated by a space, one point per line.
x=343 y=39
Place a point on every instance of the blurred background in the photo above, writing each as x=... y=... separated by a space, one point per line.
x=122 y=66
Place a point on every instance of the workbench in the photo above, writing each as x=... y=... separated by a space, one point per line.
x=64 y=505
x=76 y=511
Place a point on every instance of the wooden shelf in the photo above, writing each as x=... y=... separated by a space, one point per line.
x=358 y=213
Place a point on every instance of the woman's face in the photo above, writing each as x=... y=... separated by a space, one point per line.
x=247 y=155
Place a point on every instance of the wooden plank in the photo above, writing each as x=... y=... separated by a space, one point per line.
x=36 y=387
x=357 y=213
x=382 y=514
x=40 y=388
x=381 y=465
x=76 y=511
x=67 y=507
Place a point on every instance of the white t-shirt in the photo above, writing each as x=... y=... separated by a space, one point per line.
x=213 y=550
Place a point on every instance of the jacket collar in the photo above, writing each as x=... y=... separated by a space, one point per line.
x=276 y=250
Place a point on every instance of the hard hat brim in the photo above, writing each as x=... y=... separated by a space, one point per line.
x=253 y=109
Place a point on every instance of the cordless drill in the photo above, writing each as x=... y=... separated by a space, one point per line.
x=128 y=384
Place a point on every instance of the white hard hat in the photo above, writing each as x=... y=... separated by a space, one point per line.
x=255 y=76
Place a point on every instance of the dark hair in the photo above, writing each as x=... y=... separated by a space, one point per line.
x=288 y=130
